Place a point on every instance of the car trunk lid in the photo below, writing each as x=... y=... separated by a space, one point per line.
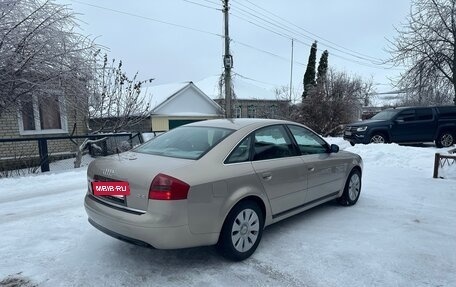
x=138 y=170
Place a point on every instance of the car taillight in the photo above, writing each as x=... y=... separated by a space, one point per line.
x=165 y=187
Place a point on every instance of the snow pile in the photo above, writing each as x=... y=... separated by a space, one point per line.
x=402 y=232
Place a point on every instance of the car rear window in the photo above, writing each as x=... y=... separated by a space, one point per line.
x=185 y=142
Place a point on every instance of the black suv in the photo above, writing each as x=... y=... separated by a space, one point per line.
x=406 y=125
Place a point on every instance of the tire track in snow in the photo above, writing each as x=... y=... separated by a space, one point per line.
x=12 y=211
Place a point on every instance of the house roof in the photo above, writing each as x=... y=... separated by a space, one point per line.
x=244 y=89
x=158 y=94
x=180 y=99
x=385 y=100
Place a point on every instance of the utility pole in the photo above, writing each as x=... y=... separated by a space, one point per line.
x=228 y=64
x=291 y=72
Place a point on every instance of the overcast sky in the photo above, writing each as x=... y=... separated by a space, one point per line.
x=353 y=31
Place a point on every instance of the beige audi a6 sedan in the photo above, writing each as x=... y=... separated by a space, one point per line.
x=219 y=182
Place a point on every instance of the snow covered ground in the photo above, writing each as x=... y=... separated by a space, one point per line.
x=402 y=232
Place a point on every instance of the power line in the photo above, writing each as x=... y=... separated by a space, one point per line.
x=148 y=18
x=254 y=80
x=293 y=31
x=202 y=5
x=290 y=37
x=267 y=52
x=211 y=33
x=185 y=27
x=307 y=31
x=212 y=2
x=272 y=23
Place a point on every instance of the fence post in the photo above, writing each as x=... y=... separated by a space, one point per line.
x=436 y=165
x=44 y=157
x=104 y=147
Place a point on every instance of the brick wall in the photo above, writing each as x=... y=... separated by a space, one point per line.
x=269 y=109
x=21 y=153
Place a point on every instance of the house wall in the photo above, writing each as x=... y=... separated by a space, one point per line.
x=270 y=109
x=21 y=154
x=161 y=123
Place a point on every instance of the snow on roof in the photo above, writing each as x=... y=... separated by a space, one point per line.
x=243 y=88
x=385 y=100
x=160 y=93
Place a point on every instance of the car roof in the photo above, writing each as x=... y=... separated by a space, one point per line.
x=236 y=124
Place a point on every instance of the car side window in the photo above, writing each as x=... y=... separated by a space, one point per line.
x=406 y=116
x=272 y=142
x=241 y=153
x=308 y=142
x=424 y=114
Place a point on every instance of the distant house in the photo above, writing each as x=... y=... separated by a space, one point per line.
x=380 y=101
x=251 y=100
x=173 y=105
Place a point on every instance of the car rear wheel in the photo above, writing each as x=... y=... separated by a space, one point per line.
x=378 y=138
x=352 y=189
x=241 y=232
x=445 y=139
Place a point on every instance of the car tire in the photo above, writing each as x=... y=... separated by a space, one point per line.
x=378 y=138
x=241 y=232
x=352 y=189
x=445 y=139
x=352 y=143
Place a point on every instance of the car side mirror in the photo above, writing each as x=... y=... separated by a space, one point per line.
x=399 y=121
x=334 y=148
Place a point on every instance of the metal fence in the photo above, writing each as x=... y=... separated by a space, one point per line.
x=443 y=161
x=20 y=156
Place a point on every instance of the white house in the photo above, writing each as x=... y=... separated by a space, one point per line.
x=251 y=99
x=176 y=104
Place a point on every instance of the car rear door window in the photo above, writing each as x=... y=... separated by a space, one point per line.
x=424 y=114
x=308 y=142
x=272 y=142
x=406 y=116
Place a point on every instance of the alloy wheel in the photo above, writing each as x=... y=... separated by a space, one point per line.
x=377 y=139
x=245 y=230
x=447 y=140
x=354 y=186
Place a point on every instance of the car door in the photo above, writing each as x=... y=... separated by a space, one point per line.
x=414 y=125
x=402 y=126
x=326 y=171
x=425 y=124
x=281 y=171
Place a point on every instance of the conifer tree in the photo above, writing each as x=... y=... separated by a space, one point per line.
x=322 y=68
x=309 y=75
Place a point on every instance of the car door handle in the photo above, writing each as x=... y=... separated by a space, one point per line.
x=266 y=176
x=311 y=169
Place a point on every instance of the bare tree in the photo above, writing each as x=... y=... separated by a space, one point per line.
x=116 y=102
x=39 y=50
x=338 y=101
x=426 y=46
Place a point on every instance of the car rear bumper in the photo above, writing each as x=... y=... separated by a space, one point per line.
x=164 y=228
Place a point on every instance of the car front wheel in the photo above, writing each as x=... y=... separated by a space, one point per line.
x=352 y=189
x=378 y=138
x=241 y=233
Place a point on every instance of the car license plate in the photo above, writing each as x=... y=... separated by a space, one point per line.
x=111 y=188
x=348 y=133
